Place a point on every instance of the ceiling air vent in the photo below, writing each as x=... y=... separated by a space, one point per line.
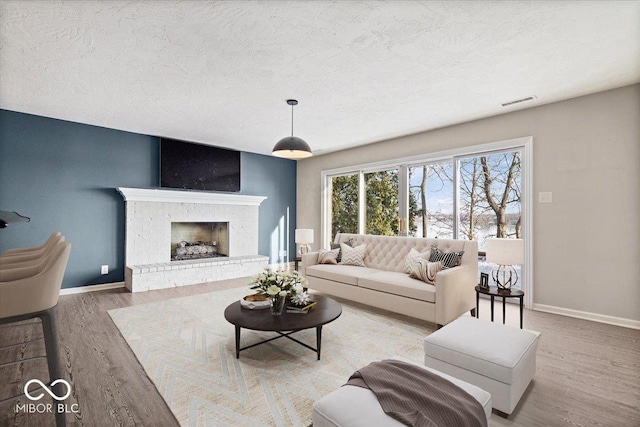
x=517 y=101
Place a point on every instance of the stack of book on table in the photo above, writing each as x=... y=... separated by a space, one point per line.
x=300 y=309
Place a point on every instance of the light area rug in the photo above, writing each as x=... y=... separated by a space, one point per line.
x=187 y=349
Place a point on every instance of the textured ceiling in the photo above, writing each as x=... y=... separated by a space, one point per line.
x=220 y=72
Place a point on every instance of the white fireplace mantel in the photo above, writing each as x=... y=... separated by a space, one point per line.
x=178 y=196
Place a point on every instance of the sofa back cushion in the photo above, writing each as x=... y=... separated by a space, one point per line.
x=389 y=252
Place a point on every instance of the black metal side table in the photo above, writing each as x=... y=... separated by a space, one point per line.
x=494 y=291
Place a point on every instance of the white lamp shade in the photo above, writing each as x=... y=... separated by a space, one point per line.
x=505 y=251
x=304 y=235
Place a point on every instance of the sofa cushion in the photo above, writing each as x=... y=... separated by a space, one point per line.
x=486 y=348
x=339 y=273
x=396 y=283
x=412 y=256
x=353 y=256
x=425 y=271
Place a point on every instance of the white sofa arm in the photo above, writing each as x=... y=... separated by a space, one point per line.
x=455 y=293
x=308 y=259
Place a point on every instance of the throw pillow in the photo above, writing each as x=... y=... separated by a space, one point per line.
x=353 y=256
x=411 y=256
x=449 y=259
x=328 y=257
x=424 y=270
x=349 y=242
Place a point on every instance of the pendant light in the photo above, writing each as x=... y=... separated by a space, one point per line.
x=292 y=147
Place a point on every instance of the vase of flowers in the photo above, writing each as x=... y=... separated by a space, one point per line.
x=279 y=286
x=278 y=302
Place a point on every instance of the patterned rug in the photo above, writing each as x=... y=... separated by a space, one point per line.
x=187 y=349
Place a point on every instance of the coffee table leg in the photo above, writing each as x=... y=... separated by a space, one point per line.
x=237 y=342
x=319 y=339
x=521 y=303
x=477 y=305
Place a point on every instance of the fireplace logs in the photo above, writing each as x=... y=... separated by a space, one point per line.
x=194 y=250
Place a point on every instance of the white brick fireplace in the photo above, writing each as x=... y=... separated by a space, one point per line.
x=149 y=214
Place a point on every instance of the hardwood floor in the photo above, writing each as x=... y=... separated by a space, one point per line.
x=588 y=373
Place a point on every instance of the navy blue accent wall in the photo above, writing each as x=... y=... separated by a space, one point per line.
x=64 y=176
x=275 y=178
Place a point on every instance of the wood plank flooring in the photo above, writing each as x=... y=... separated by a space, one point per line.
x=588 y=373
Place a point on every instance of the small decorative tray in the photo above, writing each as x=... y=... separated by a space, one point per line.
x=255 y=302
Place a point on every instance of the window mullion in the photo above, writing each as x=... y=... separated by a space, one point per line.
x=456 y=197
x=362 y=203
x=327 y=208
x=403 y=196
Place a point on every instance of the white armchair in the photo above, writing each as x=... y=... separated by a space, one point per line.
x=32 y=291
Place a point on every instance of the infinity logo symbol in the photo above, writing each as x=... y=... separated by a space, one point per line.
x=45 y=388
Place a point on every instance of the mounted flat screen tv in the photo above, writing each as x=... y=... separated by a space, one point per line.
x=192 y=166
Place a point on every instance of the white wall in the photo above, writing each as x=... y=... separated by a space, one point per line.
x=587 y=152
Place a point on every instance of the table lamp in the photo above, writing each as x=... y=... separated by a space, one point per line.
x=304 y=236
x=506 y=253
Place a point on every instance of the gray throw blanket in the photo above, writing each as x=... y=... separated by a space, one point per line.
x=416 y=397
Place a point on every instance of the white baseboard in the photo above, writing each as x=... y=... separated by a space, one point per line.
x=595 y=317
x=91 y=288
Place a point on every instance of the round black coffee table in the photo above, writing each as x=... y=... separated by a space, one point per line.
x=325 y=311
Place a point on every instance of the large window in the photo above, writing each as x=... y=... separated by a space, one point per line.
x=472 y=194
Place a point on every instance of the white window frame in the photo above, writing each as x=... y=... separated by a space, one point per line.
x=523 y=144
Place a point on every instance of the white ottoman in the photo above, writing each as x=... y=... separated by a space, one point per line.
x=351 y=406
x=497 y=358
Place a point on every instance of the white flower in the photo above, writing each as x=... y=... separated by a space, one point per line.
x=283 y=293
x=301 y=299
x=297 y=288
x=273 y=290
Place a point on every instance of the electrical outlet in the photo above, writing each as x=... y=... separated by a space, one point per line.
x=104 y=269
x=545 y=197
x=283 y=254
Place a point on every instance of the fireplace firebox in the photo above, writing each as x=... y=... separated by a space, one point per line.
x=195 y=240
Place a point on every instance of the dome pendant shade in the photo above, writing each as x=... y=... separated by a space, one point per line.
x=292 y=147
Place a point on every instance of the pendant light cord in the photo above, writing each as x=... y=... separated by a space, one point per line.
x=292 y=120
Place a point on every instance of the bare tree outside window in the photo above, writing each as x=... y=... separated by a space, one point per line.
x=473 y=212
x=501 y=175
x=431 y=200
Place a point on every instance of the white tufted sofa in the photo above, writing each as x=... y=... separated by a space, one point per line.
x=383 y=284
